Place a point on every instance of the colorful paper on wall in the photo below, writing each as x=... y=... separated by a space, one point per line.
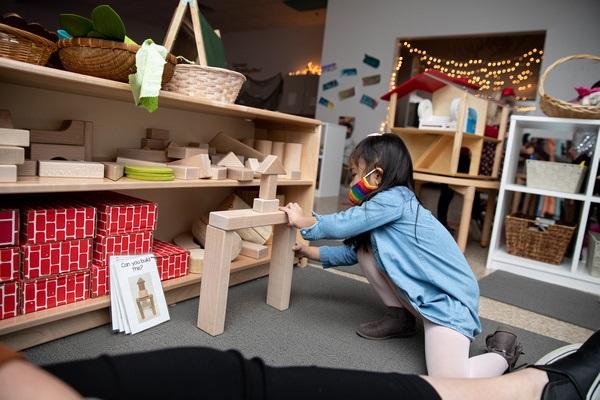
x=371 y=80
x=330 y=84
x=349 y=72
x=326 y=103
x=371 y=61
x=368 y=101
x=329 y=67
x=347 y=93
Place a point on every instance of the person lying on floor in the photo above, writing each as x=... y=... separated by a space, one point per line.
x=203 y=373
x=411 y=261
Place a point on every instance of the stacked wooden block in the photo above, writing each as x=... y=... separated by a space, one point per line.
x=12 y=152
x=289 y=154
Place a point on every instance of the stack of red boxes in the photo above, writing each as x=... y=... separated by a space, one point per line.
x=125 y=227
x=56 y=249
x=9 y=262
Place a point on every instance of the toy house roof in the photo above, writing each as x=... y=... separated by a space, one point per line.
x=429 y=81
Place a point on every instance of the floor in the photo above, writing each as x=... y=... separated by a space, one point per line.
x=476 y=255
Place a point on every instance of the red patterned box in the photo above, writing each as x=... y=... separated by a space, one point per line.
x=55 y=258
x=121 y=245
x=44 y=221
x=10 y=259
x=9 y=227
x=172 y=261
x=99 y=280
x=119 y=214
x=58 y=290
x=9 y=299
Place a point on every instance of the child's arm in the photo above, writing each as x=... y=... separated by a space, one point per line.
x=311 y=252
x=330 y=256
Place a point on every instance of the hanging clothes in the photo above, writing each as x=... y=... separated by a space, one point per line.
x=264 y=94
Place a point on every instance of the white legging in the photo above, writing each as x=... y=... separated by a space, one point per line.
x=446 y=350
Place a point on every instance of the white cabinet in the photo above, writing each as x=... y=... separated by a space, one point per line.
x=572 y=272
x=331 y=158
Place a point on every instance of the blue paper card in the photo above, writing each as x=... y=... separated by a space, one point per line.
x=349 y=72
x=330 y=84
x=368 y=101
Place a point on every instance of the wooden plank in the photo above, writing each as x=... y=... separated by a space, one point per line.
x=72 y=133
x=449 y=180
x=174 y=25
x=8 y=173
x=224 y=143
x=268 y=187
x=263 y=205
x=236 y=219
x=254 y=250
x=113 y=171
x=468 y=193
x=143 y=163
x=391 y=114
x=215 y=281
x=143 y=154
x=240 y=174
x=42 y=151
x=185 y=152
x=281 y=267
x=197 y=32
x=28 y=168
x=14 y=137
x=71 y=169
x=10 y=155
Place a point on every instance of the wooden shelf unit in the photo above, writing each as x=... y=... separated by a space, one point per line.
x=41 y=97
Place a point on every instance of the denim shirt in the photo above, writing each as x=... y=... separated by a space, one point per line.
x=419 y=255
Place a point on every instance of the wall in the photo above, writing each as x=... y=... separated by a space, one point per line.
x=274 y=50
x=355 y=27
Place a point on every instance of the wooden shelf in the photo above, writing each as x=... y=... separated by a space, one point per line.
x=71 y=310
x=544 y=192
x=36 y=184
x=25 y=74
x=442 y=132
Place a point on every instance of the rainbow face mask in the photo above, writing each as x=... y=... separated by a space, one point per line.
x=360 y=190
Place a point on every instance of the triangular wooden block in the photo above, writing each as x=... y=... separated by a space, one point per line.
x=230 y=161
x=271 y=166
x=199 y=160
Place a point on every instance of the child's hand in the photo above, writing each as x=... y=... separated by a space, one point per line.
x=311 y=252
x=296 y=216
x=298 y=250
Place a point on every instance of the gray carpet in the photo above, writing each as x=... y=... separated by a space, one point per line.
x=573 y=306
x=318 y=329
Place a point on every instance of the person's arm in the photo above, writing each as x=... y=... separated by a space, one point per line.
x=330 y=256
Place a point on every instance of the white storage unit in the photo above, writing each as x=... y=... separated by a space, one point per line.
x=331 y=158
x=572 y=272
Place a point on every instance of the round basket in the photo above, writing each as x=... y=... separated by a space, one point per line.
x=105 y=58
x=211 y=83
x=554 y=107
x=24 y=46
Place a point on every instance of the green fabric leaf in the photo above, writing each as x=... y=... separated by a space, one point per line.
x=96 y=34
x=128 y=40
x=213 y=45
x=107 y=21
x=75 y=25
x=146 y=82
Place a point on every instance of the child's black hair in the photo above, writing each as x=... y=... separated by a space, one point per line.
x=389 y=153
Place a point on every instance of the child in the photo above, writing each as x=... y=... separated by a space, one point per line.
x=411 y=261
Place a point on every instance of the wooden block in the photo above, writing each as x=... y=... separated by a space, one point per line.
x=248 y=142
x=262 y=205
x=71 y=169
x=196 y=261
x=5 y=119
x=236 y=219
x=154 y=144
x=218 y=172
x=240 y=174
x=142 y=154
x=281 y=267
x=199 y=145
x=88 y=134
x=268 y=187
x=154 y=133
x=28 y=168
x=293 y=157
x=215 y=158
x=293 y=175
x=200 y=161
x=142 y=163
x=8 y=173
x=254 y=165
x=185 y=152
x=186 y=240
x=254 y=250
x=257 y=234
x=42 y=151
x=263 y=146
x=199 y=230
x=271 y=166
x=278 y=150
x=212 y=151
x=224 y=143
x=71 y=133
x=113 y=171
x=14 y=137
x=185 y=172
x=10 y=155
x=230 y=161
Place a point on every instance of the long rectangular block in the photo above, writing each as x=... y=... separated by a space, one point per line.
x=71 y=169
x=154 y=144
x=9 y=227
x=72 y=133
x=185 y=152
x=14 y=137
x=113 y=171
x=46 y=259
x=28 y=168
x=236 y=219
x=8 y=173
x=263 y=205
x=9 y=299
x=254 y=250
x=10 y=260
x=143 y=163
x=218 y=172
x=58 y=290
x=143 y=154
x=11 y=155
x=240 y=174
x=155 y=133
x=183 y=172
x=42 y=151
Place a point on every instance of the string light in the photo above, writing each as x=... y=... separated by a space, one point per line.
x=310 y=69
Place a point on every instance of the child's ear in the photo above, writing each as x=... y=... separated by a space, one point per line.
x=378 y=175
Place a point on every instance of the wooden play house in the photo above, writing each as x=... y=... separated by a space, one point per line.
x=436 y=149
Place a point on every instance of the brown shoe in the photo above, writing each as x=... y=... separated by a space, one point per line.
x=397 y=322
x=505 y=344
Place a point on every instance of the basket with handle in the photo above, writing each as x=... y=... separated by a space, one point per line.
x=200 y=80
x=21 y=45
x=553 y=107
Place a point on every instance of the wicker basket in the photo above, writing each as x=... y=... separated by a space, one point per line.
x=211 y=83
x=547 y=246
x=554 y=107
x=24 y=46
x=105 y=58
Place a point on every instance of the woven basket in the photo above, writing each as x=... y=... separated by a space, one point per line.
x=560 y=177
x=548 y=246
x=210 y=83
x=554 y=107
x=24 y=46
x=105 y=58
